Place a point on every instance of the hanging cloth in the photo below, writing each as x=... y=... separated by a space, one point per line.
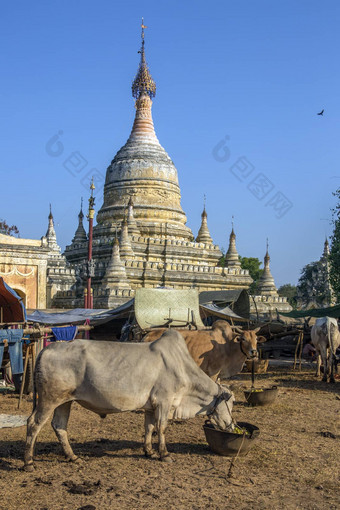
x=14 y=340
x=67 y=334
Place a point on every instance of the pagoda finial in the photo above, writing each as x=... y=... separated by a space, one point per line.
x=81 y=214
x=80 y=235
x=50 y=216
x=203 y=235
x=143 y=82
x=204 y=213
x=232 y=258
x=267 y=257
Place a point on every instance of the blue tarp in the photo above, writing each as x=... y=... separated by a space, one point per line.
x=79 y=315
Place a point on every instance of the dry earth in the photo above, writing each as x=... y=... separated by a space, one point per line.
x=294 y=464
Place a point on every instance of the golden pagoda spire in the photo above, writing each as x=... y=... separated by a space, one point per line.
x=143 y=82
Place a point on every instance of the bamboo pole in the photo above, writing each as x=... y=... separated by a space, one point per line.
x=38 y=331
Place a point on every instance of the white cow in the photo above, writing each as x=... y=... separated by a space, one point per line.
x=111 y=377
x=326 y=339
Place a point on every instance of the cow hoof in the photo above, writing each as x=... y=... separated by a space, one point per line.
x=29 y=468
x=166 y=459
x=152 y=455
x=74 y=458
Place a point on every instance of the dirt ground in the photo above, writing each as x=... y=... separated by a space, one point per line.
x=294 y=464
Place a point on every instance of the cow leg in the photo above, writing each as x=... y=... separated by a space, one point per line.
x=34 y=424
x=331 y=362
x=318 y=365
x=162 y=422
x=323 y=353
x=149 y=425
x=59 y=424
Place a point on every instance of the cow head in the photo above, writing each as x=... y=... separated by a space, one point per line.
x=220 y=414
x=248 y=341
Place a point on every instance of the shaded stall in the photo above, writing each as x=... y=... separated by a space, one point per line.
x=237 y=300
x=12 y=309
x=12 y=321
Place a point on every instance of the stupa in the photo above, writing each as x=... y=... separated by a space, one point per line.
x=142 y=201
x=267 y=299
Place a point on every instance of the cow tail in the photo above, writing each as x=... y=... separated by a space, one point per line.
x=330 y=339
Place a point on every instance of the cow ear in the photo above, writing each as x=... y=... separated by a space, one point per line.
x=261 y=339
x=236 y=335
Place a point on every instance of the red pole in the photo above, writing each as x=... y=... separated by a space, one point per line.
x=89 y=258
x=89 y=295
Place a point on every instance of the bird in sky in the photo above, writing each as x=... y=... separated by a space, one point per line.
x=321 y=113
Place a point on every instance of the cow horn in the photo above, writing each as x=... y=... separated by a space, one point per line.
x=238 y=329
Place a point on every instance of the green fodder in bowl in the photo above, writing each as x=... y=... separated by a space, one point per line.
x=240 y=430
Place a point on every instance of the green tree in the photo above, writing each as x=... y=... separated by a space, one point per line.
x=312 y=285
x=289 y=291
x=6 y=229
x=253 y=265
x=334 y=257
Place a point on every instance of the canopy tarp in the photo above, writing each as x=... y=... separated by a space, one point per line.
x=13 y=309
x=162 y=307
x=222 y=312
x=237 y=300
x=331 y=311
x=79 y=315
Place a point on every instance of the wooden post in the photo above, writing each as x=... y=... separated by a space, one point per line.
x=28 y=352
x=301 y=348
x=296 y=350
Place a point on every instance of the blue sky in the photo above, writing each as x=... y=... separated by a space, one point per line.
x=254 y=71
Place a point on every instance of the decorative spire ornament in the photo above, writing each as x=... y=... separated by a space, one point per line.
x=232 y=258
x=51 y=235
x=203 y=235
x=266 y=285
x=143 y=83
x=131 y=222
x=115 y=275
x=80 y=234
x=126 y=250
x=143 y=90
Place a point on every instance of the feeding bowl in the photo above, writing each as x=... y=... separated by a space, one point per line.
x=261 y=397
x=230 y=444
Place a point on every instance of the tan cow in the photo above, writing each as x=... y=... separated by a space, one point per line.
x=220 y=352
